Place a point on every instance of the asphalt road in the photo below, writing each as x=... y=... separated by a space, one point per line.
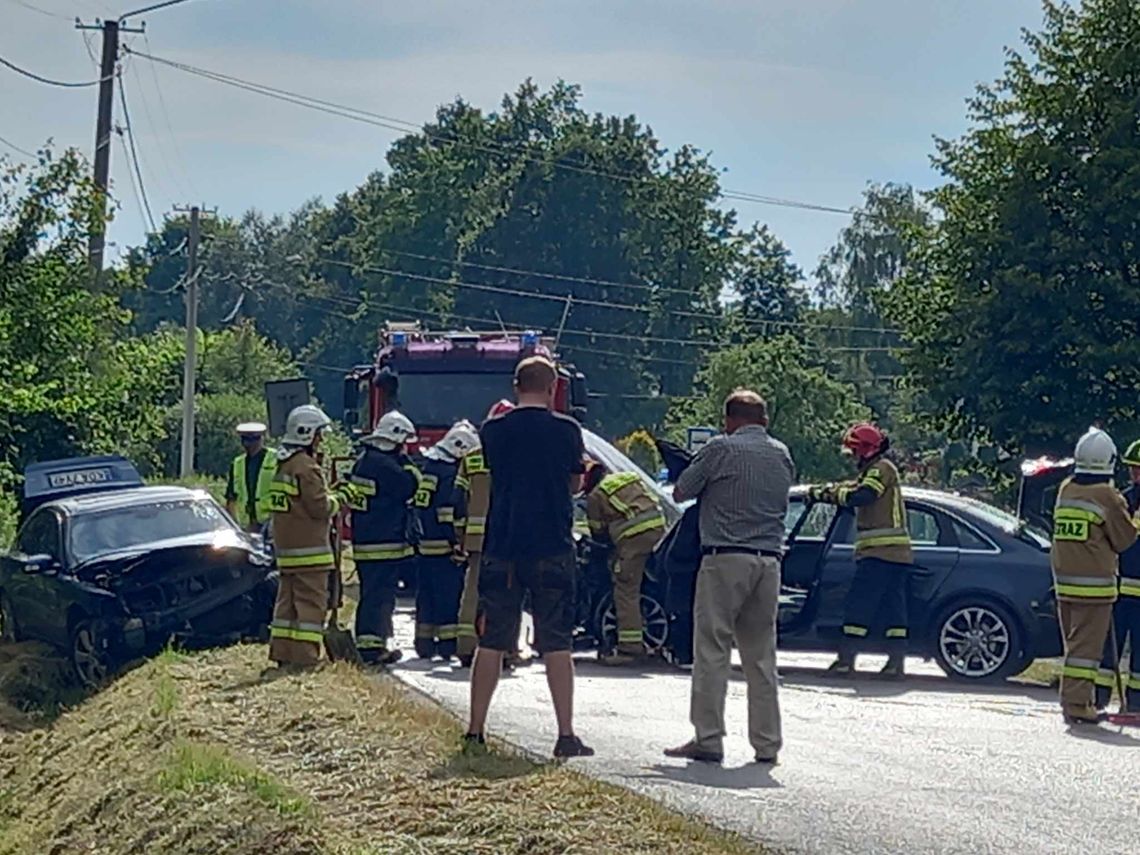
x=867 y=766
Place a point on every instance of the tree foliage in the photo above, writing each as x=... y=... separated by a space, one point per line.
x=1023 y=313
x=808 y=408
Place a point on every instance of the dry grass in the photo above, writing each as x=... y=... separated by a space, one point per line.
x=203 y=754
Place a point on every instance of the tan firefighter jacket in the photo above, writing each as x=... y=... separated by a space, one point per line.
x=1091 y=527
x=471 y=500
x=302 y=507
x=622 y=508
x=880 y=527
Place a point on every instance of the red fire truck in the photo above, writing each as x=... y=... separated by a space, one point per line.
x=438 y=378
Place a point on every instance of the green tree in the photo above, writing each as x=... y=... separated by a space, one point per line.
x=808 y=408
x=1023 y=318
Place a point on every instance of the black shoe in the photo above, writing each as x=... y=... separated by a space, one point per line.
x=691 y=751
x=841 y=668
x=895 y=669
x=474 y=744
x=572 y=746
x=1080 y=720
x=389 y=657
x=768 y=761
x=465 y=660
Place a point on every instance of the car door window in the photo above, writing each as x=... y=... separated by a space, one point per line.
x=923 y=527
x=818 y=520
x=968 y=538
x=40 y=535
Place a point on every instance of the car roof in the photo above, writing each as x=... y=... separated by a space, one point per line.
x=945 y=499
x=128 y=498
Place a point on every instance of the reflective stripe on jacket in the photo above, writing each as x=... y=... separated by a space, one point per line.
x=622 y=507
x=435 y=503
x=384 y=484
x=241 y=488
x=471 y=499
x=880 y=527
x=302 y=508
x=1091 y=526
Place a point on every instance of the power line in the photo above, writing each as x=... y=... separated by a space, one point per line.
x=407 y=126
x=135 y=155
x=131 y=178
x=48 y=80
x=16 y=148
x=179 y=157
x=36 y=8
x=151 y=8
x=178 y=186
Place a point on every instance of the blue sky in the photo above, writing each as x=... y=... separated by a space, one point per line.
x=799 y=99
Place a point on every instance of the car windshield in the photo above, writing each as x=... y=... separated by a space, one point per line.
x=614 y=461
x=440 y=400
x=122 y=529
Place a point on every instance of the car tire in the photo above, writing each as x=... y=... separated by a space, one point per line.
x=9 y=631
x=977 y=640
x=655 y=621
x=88 y=655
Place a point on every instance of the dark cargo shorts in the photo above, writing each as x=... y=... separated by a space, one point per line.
x=553 y=601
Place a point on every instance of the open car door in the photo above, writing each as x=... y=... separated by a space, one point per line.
x=1037 y=494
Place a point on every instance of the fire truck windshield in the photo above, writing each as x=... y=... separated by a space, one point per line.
x=440 y=400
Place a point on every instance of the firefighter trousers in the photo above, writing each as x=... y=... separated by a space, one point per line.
x=297 y=629
x=628 y=573
x=378 y=582
x=1084 y=628
x=1126 y=620
x=438 y=590
x=466 y=635
x=877 y=598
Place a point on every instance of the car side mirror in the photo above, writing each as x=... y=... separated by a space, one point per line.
x=45 y=564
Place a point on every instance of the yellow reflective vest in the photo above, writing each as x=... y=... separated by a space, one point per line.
x=241 y=488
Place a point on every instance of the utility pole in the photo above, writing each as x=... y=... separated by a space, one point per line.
x=190 y=370
x=111 y=31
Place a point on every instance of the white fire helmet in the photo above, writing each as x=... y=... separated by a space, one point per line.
x=392 y=431
x=302 y=426
x=1095 y=453
x=460 y=440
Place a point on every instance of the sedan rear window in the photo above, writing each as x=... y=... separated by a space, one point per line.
x=123 y=529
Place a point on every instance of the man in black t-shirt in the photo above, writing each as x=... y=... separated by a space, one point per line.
x=535 y=458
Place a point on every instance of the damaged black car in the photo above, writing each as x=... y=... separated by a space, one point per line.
x=110 y=570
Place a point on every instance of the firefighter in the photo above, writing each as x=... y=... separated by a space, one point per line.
x=440 y=575
x=472 y=500
x=302 y=508
x=1126 y=612
x=251 y=473
x=621 y=509
x=1091 y=527
x=384 y=482
x=883 y=555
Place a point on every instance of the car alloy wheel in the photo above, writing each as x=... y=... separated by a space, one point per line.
x=87 y=657
x=975 y=641
x=654 y=621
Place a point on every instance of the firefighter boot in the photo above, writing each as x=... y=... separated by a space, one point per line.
x=895 y=669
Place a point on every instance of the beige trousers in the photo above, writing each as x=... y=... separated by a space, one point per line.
x=1084 y=628
x=737 y=597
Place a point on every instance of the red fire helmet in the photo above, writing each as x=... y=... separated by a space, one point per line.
x=503 y=406
x=864 y=440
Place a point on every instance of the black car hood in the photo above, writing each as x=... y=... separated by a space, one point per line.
x=211 y=544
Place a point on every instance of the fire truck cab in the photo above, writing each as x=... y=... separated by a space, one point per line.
x=438 y=378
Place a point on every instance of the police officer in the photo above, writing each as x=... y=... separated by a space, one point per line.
x=883 y=555
x=1126 y=612
x=384 y=482
x=440 y=575
x=247 y=489
x=620 y=509
x=302 y=508
x=1091 y=527
x=472 y=500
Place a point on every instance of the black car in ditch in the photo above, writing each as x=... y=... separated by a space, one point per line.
x=110 y=570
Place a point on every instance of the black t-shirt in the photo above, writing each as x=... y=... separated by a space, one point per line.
x=532 y=454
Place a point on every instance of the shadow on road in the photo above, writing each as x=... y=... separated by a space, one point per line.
x=869 y=683
x=1106 y=735
x=748 y=777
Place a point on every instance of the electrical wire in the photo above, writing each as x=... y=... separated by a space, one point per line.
x=407 y=126
x=174 y=178
x=131 y=177
x=135 y=155
x=36 y=8
x=179 y=157
x=16 y=148
x=48 y=80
